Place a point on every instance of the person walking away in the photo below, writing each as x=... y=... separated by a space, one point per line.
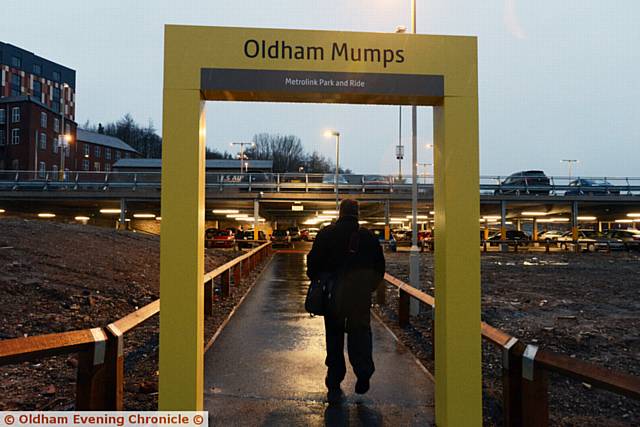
x=355 y=256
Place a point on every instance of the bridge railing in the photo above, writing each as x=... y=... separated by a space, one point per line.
x=301 y=182
x=525 y=367
x=100 y=371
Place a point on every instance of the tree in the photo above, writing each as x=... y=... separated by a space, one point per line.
x=285 y=150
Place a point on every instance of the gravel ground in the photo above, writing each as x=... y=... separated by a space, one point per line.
x=59 y=277
x=583 y=305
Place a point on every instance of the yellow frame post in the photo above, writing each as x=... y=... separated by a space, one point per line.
x=240 y=64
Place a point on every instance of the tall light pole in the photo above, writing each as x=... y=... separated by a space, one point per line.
x=400 y=29
x=570 y=163
x=329 y=134
x=426 y=173
x=414 y=256
x=242 y=144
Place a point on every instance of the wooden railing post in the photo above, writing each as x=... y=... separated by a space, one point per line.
x=403 y=309
x=92 y=375
x=512 y=383
x=237 y=275
x=114 y=363
x=535 y=396
x=226 y=279
x=208 y=297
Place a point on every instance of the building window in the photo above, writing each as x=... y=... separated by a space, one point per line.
x=37 y=69
x=15 y=115
x=96 y=166
x=107 y=167
x=42 y=169
x=56 y=95
x=56 y=76
x=43 y=141
x=85 y=165
x=15 y=136
x=96 y=152
x=55 y=106
x=56 y=125
x=67 y=129
x=16 y=85
x=2 y=137
x=55 y=146
x=37 y=90
x=3 y=116
x=107 y=153
x=87 y=150
x=43 y=120
x=118 y=155
x=16 y=62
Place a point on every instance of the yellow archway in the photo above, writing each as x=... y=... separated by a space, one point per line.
x=250 y=64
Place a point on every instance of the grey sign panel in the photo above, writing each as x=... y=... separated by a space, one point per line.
x=319 y=82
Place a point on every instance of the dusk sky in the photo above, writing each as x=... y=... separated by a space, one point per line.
x=558 y=80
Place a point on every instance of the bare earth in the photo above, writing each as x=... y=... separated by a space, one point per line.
x=583 y=305
x=59 y=277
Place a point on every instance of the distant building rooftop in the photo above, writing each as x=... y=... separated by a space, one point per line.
x=104 y=140
x=223 y=165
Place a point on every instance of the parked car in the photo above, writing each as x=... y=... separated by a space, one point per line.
x=526 y=182
x=517 y=238
x=294 y=232
x=309 y=234
x=215 y=238
x=550 y=236
x=245 y=238
x=590 y=240
x=281 y=238
x=630 y=238
x=591 y=187
x=330 y=178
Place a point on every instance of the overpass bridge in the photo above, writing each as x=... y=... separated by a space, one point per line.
x=383 y=199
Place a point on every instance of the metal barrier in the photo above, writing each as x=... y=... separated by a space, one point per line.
x=100 y=372
x=565 y=245
x=274 y=182
x=525 y=367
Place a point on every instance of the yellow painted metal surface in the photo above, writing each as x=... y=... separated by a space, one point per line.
x=182 y=252
x=188 y=49
x=457 y=263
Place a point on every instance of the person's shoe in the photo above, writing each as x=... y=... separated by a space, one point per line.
x=362 y=386
x=335 y=396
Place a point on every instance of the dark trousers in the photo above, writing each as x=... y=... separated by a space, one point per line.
x=359 y=347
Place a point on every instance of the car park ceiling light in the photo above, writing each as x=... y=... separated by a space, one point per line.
x=379 y=223
x=491 y=217
x=330 y=212
x=533 y=213
x=238 y=215
x=432 y=212
x=587 y=218
x=225 y=211
x=397 y=219
x=2 y=211
x=144 y=215
x=418 y=217
x=110 y=211
x=82 y=218
x=158 y=218
x=363 y=222
x=624 y=221
x=633 y=215
x=46 y=215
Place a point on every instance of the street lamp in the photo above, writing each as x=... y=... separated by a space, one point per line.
x=329 y=134
x=400 y=29
x=425 y=166
x=242 y=144
x=570 y=163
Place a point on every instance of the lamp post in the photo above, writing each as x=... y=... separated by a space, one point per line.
x=329 y=134
x=425 y=166
x=570 y=163
x=400 y=29
x=242 y=144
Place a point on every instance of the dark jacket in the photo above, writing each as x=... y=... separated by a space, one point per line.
x=362 y=271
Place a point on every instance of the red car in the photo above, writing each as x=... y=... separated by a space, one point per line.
x=215 y=238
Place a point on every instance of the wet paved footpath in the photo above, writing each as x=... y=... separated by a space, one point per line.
x=267 y=366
